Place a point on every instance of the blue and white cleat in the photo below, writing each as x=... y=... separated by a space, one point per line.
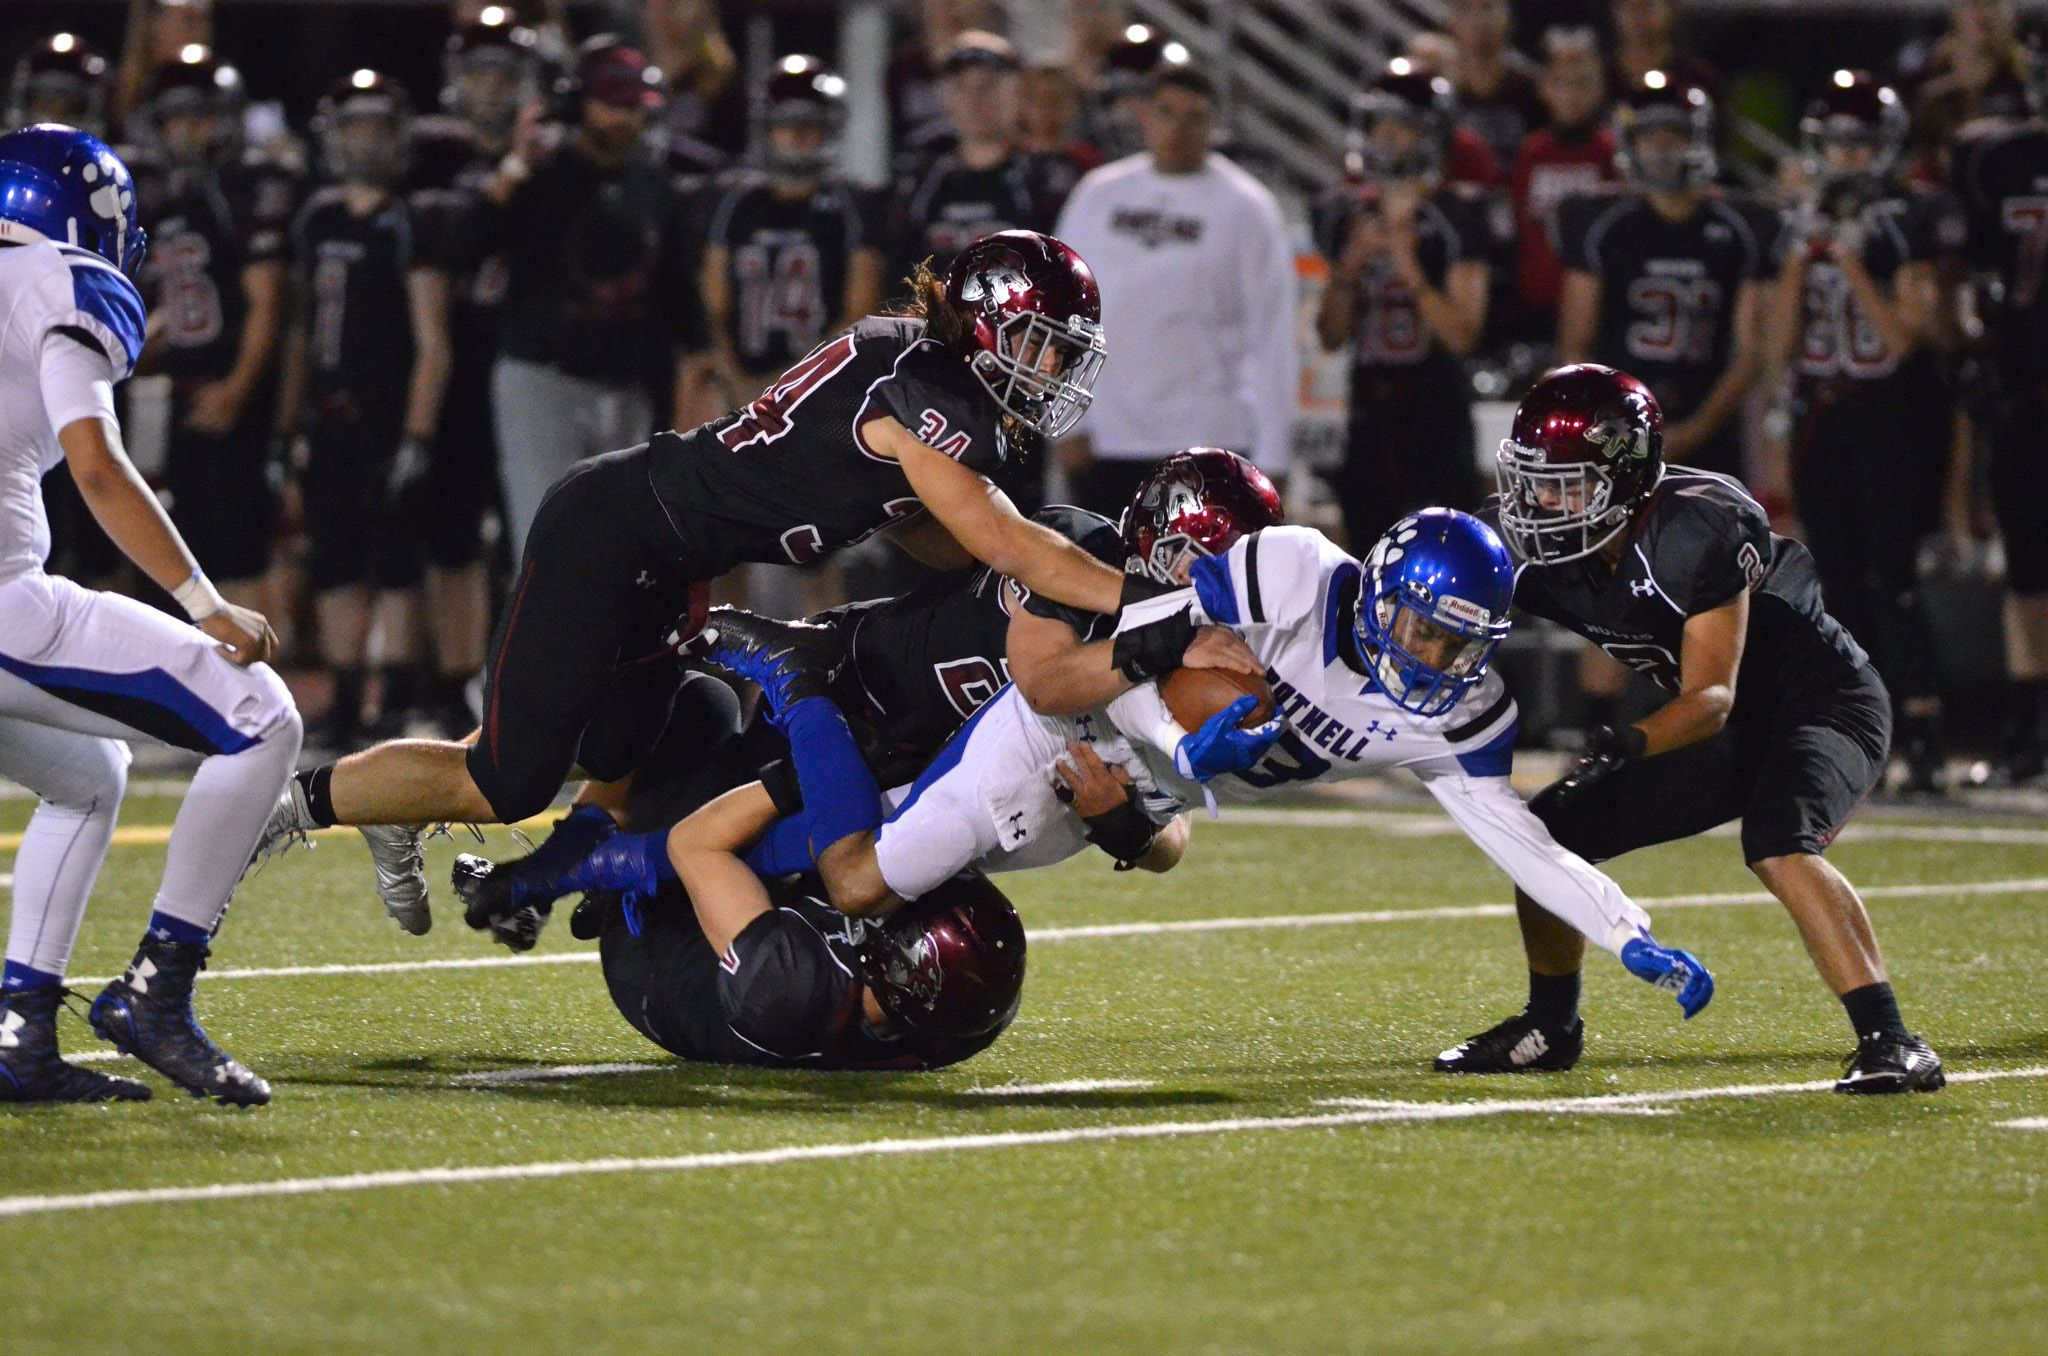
x=788 y=661
x=1678 y=973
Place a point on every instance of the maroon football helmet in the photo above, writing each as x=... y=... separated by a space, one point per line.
x=60 y=79
x=1033 y=317
x=1585 y=450
x=1666 y=102
x=197 y=85
x=1195 y=503
x=1406 y=94
x=1854 y=109
x=949 y=965
x=364 y=124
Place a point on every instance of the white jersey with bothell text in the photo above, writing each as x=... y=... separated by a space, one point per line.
x=1290 y=592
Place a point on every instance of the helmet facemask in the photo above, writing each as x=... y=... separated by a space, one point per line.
x=1042 y=371
x=1551 y=514
x=1426 y=652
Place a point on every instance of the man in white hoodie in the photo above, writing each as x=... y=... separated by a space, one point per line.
x=1197 y=278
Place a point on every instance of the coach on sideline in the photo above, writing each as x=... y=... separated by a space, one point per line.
x=1197 y=278
x=598 y=291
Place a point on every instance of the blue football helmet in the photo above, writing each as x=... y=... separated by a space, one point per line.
x=58 y=183
x=1433 y=607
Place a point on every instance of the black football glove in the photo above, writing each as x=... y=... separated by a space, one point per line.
x=1153 y=648
x=1606 y=753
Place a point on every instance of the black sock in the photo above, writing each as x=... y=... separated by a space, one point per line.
x=347 y=709
x=318 y=786
x=401 y=688
x=1873 y=1009
x=1554 y=999
x=2027 y=711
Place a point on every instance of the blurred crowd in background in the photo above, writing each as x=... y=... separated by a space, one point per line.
x=387 y=310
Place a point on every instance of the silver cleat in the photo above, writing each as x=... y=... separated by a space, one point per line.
x=401 y=873
x=288 y=826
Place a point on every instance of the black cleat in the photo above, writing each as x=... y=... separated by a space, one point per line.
x=1885 y=1062
x=1521 y=1044
x=147 y=1013
x=31 y=1070
x=592 y=912
x=486 y=891
x=788 y=661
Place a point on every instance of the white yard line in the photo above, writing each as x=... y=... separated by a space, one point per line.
x=551 y=1072
x=1375 y=1113
x=1055 y=1089
x=1090 y=932
x=2027 y=1123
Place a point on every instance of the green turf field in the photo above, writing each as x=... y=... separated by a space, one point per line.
x=1219 y=1187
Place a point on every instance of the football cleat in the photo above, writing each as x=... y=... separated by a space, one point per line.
x=31 y=1070
x=788 y=661
x=289 y=825
x=487 y=899
x=147 y=1013
x=1884 y=1062
x=401 y=873
x=1521 y=1044
x=1678 y=973
x=587 y=919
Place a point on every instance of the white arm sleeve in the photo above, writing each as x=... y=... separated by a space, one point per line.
x=1506 y=830
x=77 y=381
x=1141 y=714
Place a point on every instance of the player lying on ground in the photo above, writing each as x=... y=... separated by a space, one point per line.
x=1776 y=717
x=908 y=670
x=81 y=671
x=894 y=424
x=1377 y=667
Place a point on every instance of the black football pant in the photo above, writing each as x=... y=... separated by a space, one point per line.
x=1867 y=468
x=578 y=674
x=1409 y=446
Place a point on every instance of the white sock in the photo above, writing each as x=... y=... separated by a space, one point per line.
x=80 y=780
x=221 y=822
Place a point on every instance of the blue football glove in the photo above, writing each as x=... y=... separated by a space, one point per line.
x=1220 y=747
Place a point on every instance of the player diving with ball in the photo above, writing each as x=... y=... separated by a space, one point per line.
x=1373 y=665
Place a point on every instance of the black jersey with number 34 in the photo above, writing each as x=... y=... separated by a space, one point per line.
x=1697 y=546
x=790 y=478
x=1667 y=289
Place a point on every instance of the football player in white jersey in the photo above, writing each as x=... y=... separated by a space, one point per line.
x=81 y=672
x=1374 y=666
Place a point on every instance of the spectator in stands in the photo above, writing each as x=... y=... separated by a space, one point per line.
x=1198 y=300
x=1645 y=40
x=1049 y=131
x=978 y=181
x=1572 y=156
x=706 y=117
x=1468 y=159
x=367 y=367
x=1497 y=94
x=916 y=78
x=598 y=292
x=1407 y=292
x=216 y=280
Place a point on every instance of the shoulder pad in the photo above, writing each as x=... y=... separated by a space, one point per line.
x=103 y=303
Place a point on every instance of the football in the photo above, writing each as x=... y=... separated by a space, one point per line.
x=1194 y=695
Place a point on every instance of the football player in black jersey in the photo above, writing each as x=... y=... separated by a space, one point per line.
x=893 y=424
x=1665 y=279
x=1857 y=313
x=216 y=279
x=366 y=370
x=1776 y=717
x=1407 y=292
x=907 y=671
x=2000 y=171
x=792 y=253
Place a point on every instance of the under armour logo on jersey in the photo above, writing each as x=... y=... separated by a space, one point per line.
x=1018 y=833
x=1384 y=732
x=1643 y=588
x=646 y=580
x=1084 y=729
x=10 y=1029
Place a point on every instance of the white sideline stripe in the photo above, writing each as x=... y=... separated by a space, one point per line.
x=1089 y=932
x=6 y=880
x=1054 y=1089
x=1409 y=824
x=2027 y=1123
x=16 y=1206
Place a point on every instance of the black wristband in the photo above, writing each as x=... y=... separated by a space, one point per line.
x=779 y=779
x=1124 y=832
